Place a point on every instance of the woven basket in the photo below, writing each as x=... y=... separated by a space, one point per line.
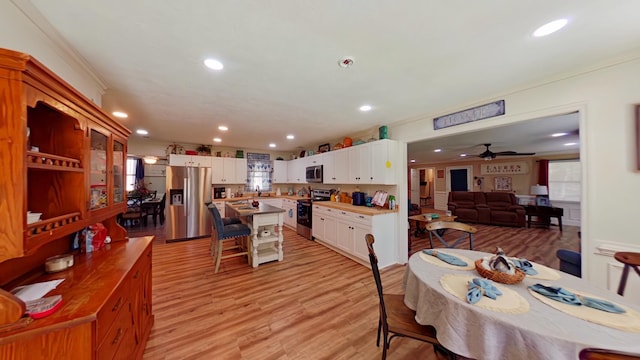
x=497 y=276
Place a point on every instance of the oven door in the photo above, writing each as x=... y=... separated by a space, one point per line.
x=304 y=213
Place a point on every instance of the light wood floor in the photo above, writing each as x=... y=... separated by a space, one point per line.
x=315 y=304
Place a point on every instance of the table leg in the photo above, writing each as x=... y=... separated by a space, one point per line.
x=560 y=222
x=254 y=245
x=280 y=240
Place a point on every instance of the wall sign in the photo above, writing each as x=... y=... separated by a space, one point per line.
x=519 y=167
x=477 y=113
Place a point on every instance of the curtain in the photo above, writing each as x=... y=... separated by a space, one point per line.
x=139 y=174
x=543 y=172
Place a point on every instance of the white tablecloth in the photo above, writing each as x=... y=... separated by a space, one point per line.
x=541 y=333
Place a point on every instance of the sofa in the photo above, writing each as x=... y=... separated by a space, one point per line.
x=491 y=208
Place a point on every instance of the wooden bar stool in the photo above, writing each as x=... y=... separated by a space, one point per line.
x=630 y=260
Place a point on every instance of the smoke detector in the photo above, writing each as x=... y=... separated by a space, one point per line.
x=345 y=62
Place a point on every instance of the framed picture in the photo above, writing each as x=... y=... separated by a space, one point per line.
x=324 y=148
x=502 y=183
x=542 y=200
x=440 y=174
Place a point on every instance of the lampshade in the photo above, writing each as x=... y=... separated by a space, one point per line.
x=539 y=190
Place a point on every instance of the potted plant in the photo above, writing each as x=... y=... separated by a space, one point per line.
x=204 y=150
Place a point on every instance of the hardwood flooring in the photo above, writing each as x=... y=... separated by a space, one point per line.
x=316 y=304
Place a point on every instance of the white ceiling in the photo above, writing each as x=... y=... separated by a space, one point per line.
x=281 y=75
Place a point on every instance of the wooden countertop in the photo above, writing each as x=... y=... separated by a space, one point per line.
x=291 y=197
x=356 y=209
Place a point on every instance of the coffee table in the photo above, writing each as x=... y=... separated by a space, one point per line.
x=422 y=218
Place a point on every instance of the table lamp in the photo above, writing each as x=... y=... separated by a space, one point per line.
x=540 y=191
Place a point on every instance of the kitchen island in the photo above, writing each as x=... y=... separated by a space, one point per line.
x=265 y=222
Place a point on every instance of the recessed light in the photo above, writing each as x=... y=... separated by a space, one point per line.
x=142 y=132
x=272 y=145
x=570 y=144
x=437 y=150
x=290 y=137
x=412 y=160
x=463 y=155
x=213 y=64
x=217 y=140
x=559 y=134
x=120 y=114
x=223 y=128
x=550 y=28
x=365 y=108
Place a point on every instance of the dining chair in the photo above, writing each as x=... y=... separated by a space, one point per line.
x=135 y=213
x=602 y=354
x=237 y=234
x=630 y=260
x=395 y=317
x=438 y=229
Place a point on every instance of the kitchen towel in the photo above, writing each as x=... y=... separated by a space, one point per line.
x=479 y=288
x=568 y=297
x=524 y=265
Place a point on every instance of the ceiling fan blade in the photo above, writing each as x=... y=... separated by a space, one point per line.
x=513 y=153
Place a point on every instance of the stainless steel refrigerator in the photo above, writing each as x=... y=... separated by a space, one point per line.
x=188 y=191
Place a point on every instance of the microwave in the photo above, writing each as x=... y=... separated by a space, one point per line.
x=314 y=174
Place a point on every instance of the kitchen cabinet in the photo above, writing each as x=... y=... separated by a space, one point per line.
x=106 y=311
x=51 y=162
x=336 y=167
x=296 y=171
x=345 y=231
x=374 y=163
x=279 y=175
x=291 y=212
x=189 y=160
x=228 y=170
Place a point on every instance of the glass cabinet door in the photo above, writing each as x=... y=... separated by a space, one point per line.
x=98 y=195
x=118 y=172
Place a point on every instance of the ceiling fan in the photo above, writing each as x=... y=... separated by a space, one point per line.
x=490 y=155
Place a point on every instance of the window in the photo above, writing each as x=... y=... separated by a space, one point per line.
x=131 y=173
x=258 y=172
x=565 y=180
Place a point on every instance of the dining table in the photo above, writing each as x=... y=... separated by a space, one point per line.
x=520 y=323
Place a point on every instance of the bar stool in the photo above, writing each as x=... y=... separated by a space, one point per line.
x=630 y=260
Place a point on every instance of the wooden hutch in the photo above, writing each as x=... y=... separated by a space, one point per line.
x=63 y=156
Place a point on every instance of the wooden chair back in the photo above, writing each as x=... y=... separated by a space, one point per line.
x=437 y=229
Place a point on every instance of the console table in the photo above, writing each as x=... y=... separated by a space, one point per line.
x=543 y=215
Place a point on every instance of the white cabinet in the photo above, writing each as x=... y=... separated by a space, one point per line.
x=384 y=161
x=317 y=221
x=359 y=164
x=279 y=175
x=228 y=170
x=374 y=163
x=291 y=212
x=346 y=230
x=296 y=171
x=336 y=167
x=189 y=160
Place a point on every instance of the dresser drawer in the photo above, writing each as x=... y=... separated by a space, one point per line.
x=119 y=342
x=116 y=303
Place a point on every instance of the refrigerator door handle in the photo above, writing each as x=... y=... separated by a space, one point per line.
x=185 y=196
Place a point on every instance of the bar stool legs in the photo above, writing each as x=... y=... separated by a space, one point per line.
x=630 y=260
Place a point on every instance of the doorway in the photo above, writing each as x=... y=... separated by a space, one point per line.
x=422 y=186
x=458 y=178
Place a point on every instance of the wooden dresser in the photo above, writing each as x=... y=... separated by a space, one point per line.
x=106 y=311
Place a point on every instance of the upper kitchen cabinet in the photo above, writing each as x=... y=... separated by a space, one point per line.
x=226 y=170
x=47 y=158
x=373 y=163
x=190 y=160
x=279 y=175
x=336 y=167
